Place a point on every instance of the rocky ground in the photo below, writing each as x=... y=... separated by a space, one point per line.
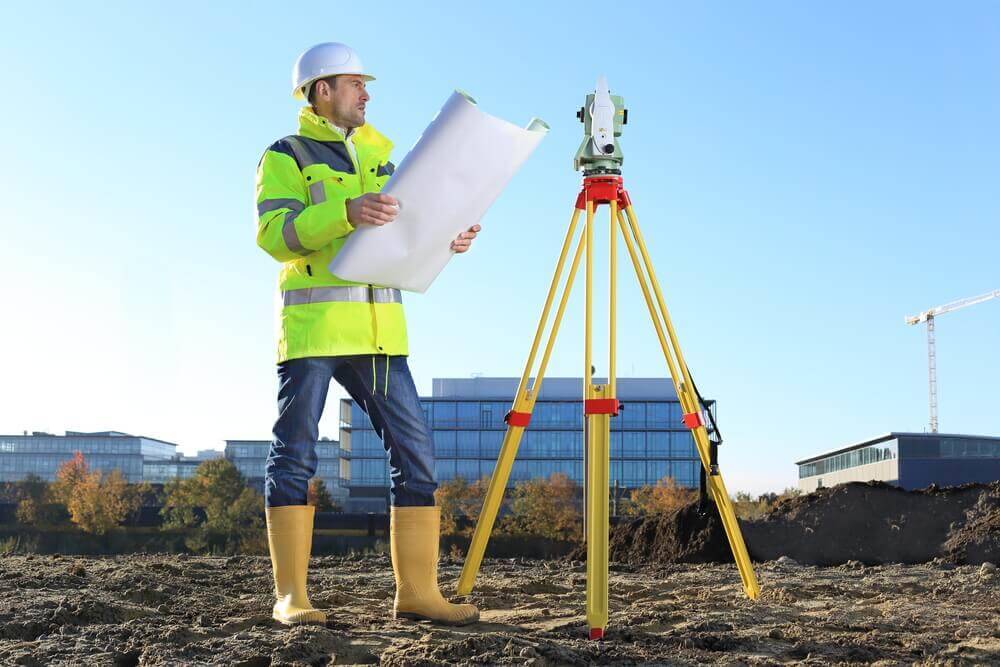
x=172 y=610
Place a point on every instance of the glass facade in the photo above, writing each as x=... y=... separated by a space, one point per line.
x=949 y=447
x=249 y=457
x=858 y=457
x=161 y=472
x=41 y=454
x=648 y=439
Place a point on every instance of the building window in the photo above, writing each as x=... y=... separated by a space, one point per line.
x=657 y=415
x=658 y=444
x=468 y=415
x=633 y=445
x=467 y=445
x=468 y=470
x=444 y=469
x=444 y=443
x=490 y=443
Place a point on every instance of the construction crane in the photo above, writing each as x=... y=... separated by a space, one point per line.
x=928 y=317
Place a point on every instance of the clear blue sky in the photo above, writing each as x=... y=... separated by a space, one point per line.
x=805 y=175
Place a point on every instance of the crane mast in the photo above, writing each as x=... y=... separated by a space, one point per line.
x=928 y=317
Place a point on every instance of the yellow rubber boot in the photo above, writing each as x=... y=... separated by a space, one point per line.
x=414 y=533
x=289 y=536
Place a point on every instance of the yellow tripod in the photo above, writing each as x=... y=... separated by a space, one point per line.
x=600 y=402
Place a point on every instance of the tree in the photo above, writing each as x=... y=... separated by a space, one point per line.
x=34 y=487
x=209 y=498
x=136 y=496
x=30 y=494
x=70 y=475
x=27 y=512
x=546 y=508
x=663 y=497
x=746 y=507
x=460 y=502
x=319 y=497
x=96 y=503
x=217 y=502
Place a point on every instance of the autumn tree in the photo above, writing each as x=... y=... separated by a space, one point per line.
x=319 y=496
x=460 y=502
x=96 y=503
x=69 y=477
x=546 y=508
x=661 y=498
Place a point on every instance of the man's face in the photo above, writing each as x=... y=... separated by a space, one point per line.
x=345 y=102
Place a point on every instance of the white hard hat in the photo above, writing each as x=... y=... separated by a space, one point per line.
x=323 y=60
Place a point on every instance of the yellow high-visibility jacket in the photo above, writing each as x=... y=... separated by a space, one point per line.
x=303 y=184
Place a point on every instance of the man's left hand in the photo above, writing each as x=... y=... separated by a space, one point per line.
x=464 y=240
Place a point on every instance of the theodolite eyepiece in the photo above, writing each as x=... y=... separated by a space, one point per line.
x=603 y=116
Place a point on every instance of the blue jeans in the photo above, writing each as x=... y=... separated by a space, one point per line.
x=384 y=389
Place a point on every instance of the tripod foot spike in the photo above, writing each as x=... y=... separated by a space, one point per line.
x=596 y=634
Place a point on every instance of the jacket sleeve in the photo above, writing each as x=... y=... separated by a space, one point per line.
x=287 y=229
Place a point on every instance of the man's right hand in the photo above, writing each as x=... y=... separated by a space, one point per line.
x=372 y=209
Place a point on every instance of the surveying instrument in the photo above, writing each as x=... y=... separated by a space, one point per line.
x=600 y=159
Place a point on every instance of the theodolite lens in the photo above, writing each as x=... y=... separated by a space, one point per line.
x=609 y=148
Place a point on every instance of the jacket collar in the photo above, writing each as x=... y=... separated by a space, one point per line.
x=316 y=127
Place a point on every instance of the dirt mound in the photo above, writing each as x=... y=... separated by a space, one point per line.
x=978 y=539
x=869 y=522
x=874 y=523
x=682 y=536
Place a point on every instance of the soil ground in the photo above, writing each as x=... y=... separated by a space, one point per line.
x=172 y=610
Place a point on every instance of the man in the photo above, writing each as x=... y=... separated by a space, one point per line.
x=313 y=190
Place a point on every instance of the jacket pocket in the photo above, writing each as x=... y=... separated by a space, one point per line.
x=327 y=188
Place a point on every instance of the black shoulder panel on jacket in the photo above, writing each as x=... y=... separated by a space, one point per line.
x=307 y=152
x=282 y=146
x=279 y=146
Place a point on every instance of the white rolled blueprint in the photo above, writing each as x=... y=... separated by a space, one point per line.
x=445 y=184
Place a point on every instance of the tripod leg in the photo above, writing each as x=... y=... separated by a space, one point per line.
x=598 y=496
x=683 y=385
x=598 y=462
x=524 y=402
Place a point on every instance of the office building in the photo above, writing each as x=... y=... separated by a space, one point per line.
x=179 y=467
x=41 y=454
x=648 y=439
x=908 y=460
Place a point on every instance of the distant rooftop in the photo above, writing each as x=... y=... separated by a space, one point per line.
x=86 y=434
x=552 y=388
x=892 y=436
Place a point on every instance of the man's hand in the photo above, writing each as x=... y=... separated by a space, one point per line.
x=464 y=240
x=372 y=209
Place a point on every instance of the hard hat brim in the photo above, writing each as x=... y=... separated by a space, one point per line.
x=299 y=92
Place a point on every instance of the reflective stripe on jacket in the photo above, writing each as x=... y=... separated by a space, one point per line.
x=303 y=184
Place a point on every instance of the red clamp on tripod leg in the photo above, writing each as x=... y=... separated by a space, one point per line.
x=601 y=406
x=693 y=420
x=514 y=418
